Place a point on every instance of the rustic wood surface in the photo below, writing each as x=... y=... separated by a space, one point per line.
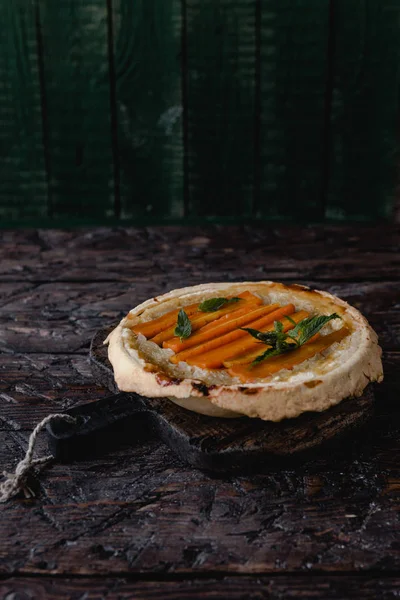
x=136 y=522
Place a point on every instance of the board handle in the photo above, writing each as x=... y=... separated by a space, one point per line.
x=71 y=441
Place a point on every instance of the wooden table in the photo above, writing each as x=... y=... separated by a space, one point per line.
x=138 y=523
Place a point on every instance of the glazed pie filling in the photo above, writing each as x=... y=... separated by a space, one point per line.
x=216 y=349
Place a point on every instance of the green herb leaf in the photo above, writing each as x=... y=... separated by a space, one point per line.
x=291 y=320
x=308 y=327
x=213 y=304
x=281 y=342
x=268 y=337
x=284 y=347
x=183 y=327
x=276 y=339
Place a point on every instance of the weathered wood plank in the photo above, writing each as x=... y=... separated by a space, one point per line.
x=77 y=93
x=147 y=67
x=35 y=386
x=23 y=184
x=139 y=510
x=338 y=239
x=196 y=266
x=366 y=79
x=237 y=588
x=136 y=510
x=172 y=257
x=221 y=68
x=294 y=47
x=63 y=318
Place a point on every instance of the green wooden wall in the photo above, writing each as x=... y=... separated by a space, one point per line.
x=156 y=111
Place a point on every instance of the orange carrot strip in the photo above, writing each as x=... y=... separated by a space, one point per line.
x=151 y=328
x=176 y=345
x=245 y=359
x=288 y=360
x=220 y=327
x=212 y=354
x=250 y=305
x=257 y=348
x=199 y=319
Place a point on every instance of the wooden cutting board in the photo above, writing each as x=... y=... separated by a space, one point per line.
x=208 y=443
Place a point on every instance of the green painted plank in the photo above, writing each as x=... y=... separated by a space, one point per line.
x=294 y=45
x=23 y=188
x=365 y=102
x=147 y=36
x=221 y=51
x=77 y=95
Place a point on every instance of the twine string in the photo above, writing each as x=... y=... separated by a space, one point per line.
x=17 y=482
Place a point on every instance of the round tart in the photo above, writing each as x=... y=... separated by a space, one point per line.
x=260 y=349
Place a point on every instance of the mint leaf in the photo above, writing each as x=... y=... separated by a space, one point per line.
x=291 y=320
x=308 y=327
x=268 y=337
x=272 y=352
x=276 y=339
x=282 y=342
x=183 y=327
x=213 y=304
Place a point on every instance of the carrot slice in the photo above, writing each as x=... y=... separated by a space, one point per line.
x=151 y=328
x=288 y=360
x=251 y=304
x=244 y=359
x=212 y=354
x=257 y=348
x=220 y=327
x=199 y=319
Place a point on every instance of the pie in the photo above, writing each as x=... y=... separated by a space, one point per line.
x=261 y=349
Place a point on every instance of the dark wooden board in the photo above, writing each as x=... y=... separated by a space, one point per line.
x=235 y=444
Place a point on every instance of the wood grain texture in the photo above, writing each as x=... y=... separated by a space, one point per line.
x=77 y=97
x=237 y=588
x=364 y=115
x=147 y=64
x=294 y=52
x=23 y=184
x=181 y=257
x=139 y=510
x=220 y=106
x=327 y=526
